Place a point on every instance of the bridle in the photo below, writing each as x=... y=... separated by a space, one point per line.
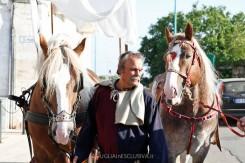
x=187 y=76
x=63 y=116
x=51 y=117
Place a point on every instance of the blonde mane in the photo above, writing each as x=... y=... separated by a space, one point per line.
x=210 y=77
x=55 y=60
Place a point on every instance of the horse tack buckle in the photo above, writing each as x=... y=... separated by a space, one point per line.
x=114 y=95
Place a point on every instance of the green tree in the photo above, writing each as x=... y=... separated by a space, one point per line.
x=217 y=31
x=154 y=46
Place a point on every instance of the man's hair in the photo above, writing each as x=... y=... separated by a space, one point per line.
x=123 y=57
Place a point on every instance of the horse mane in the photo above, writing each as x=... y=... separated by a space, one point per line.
x=54 y=62
x=210 y=76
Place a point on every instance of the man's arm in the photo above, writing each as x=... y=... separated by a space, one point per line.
x=157 y=143
x=85 y=139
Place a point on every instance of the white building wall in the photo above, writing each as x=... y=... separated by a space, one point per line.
x=5 y=48
x=5 y=62
x=24 y=58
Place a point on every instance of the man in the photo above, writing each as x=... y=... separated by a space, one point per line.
x=124 y=119
x=241 y=124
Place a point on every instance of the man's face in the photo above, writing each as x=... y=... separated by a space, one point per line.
x=132 y=71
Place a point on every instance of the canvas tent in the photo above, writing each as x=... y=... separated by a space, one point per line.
x=114 y=18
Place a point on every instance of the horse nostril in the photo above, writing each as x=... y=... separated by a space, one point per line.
x=174 y=92
x=169 y=101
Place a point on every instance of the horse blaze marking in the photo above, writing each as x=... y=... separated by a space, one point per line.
x=173 y=55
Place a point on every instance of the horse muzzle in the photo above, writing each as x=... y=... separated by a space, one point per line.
x=62 y=125
x=173 y=101
x=63 y=132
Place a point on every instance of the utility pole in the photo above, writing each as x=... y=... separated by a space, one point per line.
x=52 y=18
x=175 y=18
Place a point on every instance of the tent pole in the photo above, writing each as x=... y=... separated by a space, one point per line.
x=52 y=19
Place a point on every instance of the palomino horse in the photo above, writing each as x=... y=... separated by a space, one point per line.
x=52 y=111
x=189 y=95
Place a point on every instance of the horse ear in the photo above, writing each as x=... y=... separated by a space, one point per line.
x=80 y=47
x=169 y=35
x=44 y=45
x=188 y=31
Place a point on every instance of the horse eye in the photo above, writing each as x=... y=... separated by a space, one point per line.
x=175 y=43
x=188 y=55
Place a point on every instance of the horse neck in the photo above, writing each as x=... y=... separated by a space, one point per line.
x=200 y=93
x=205 y=96
x=37 y=101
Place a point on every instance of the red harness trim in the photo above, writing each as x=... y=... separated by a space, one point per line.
x=204 y=117
x=223 y=116
x=192 y=119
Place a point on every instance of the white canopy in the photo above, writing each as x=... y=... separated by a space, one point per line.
x=115 y=18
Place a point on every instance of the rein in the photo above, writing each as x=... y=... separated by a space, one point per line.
x=23 y=101
x=223 y=116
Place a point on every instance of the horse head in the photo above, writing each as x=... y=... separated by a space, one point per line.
x=60 y=82
x=183 y=65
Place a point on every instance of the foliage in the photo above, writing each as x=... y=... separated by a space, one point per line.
x=217 y=31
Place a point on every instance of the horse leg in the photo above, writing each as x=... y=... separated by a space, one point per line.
x=200 y=156
x=40 y=156
x=184 y=157
x=62 y=157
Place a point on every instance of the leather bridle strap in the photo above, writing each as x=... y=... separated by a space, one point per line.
x=186 y=76
x=193 y=128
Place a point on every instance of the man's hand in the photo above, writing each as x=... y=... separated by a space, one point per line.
x=241 y=124
x=75 y=159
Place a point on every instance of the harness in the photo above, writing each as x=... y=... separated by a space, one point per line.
x=195 y=119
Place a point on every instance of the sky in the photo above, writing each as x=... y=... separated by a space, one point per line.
x=147 y=13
